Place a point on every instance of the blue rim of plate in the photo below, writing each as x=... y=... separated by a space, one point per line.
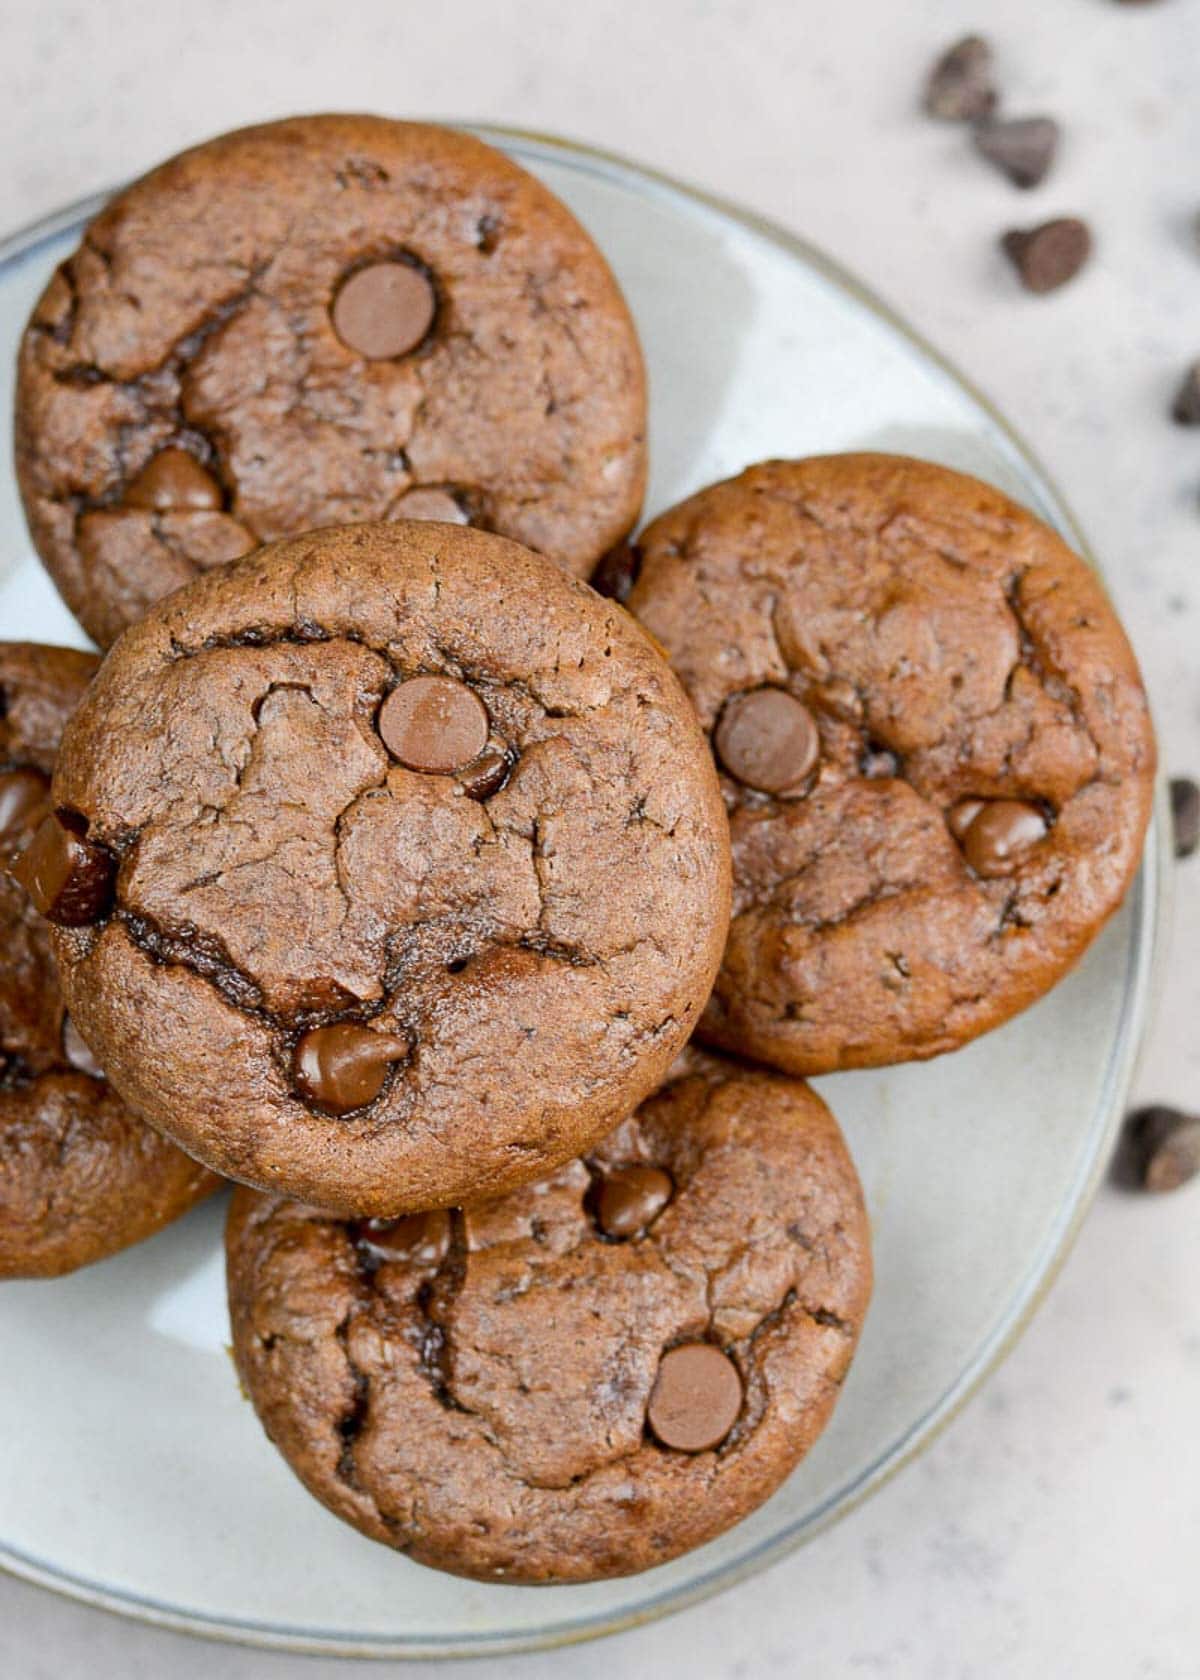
x=1147 y=903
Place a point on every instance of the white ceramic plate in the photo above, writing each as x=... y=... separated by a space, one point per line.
x=133 y=1474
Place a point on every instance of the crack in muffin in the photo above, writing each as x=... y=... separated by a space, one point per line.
x=483 y=1390
x=967 y=737
x=384 y=988
x=193 y=381
x=80 y=1178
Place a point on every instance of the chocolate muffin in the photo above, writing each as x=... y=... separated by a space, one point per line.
x=934 y=746
x=588 y=1376
x=80 y=1178
x=397 y=865
x=315 y=322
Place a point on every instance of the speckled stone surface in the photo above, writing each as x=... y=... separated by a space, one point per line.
x=1067 y=1464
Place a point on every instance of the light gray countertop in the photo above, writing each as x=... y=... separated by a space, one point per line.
x=1054 y=1529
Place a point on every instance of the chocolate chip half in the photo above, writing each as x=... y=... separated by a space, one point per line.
x=68 y=877
x=434 y=724
x=173 y=479
x=617 y=571
x=696 y=1397
x=384 y=310
x=960 y=88
x=1185 y=410
x=1046 y=257
x=768 y=740
x=1185 y=815
x=1000 y=834
x=1160 y=1149
x=422 y=1239
x=77 y=1052
x=427 y=501
x=629 y=1199
x=344 y=1066
x=1023 y=148
x=487 y=775
x=24 y=793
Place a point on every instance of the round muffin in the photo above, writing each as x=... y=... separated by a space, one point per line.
x=398 y=862
x=935 y=751
x=315 y=322
x=588 y=1376
x=80 y=1178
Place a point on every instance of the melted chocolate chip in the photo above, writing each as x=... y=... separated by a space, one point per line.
x=68 y=877
x=434 y=724
x=696 y=1398
x=487 y=775
x=421 y=1239
x=173 y=479
x=617 y=571
x=343 y=1067
x=960 y=817
x=1000 y=834
x=769 y=741
x=628 y=1200
x=385 y=310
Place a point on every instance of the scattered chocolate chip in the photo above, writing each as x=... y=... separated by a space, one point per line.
x=173 y=479
x=428 y=501
x=385 y=310
x=68 y=877
x=1159 y=1149
x=1023 y=148
x=617 y=571
x=628 y=1200
x=768 y=740
x=1186 y=408
x=1046 y=257
x=24 y=793
x=77 y=1052
x=1185 y=815
x=421 y=1239
x=434 y=724
x=960 y=88
x=343 y=1066
x=999 y=835
x=487 y=775
x=696 y=1397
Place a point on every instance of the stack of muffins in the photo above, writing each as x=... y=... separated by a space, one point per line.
x=480 y=924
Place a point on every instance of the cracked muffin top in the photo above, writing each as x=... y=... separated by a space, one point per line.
x=934 y=746
x=80 y=1178
x=389 y=866
x=320 y=321
x=588 y=1376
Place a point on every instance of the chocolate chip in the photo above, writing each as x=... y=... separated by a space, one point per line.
x=1185 y=815
x=696 y=1397
x=344 y=1066
x=487 y=775
x=960 y=817
x=960 y=86
x=427 y=501
x=173 y=479
x=1046 y=257
x=422 y=1239
x=1023 y=148
x=768 y=740
x=1186 y=408
x=999 y=835
x=68 y=877
x=1159 y=1149
x=617 y=571
x=24 y=793
x=628 y=1200
x=385 y=310
x=434 y=724
x=77 y=1052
